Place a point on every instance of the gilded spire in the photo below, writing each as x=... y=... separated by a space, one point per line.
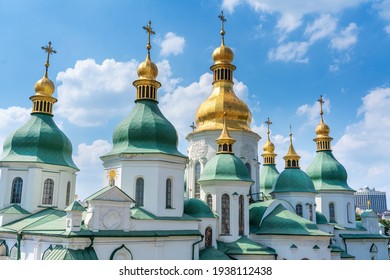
x=223 y=20
x=269 y=147
x=44 y=88
x=323 y=140
x=225 y=141
x=291 y=158
x=147 y=73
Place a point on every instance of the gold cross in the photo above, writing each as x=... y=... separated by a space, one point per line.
x=49 y=50
x=321 y=101
x=223 y=20
x=150 y=31
x=193 y=126
x=268 y=122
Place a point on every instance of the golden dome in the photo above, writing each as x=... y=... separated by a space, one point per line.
x=223 y=54
x=322 y=129
x=44 y=87
x=147 y=69
x=269 y=147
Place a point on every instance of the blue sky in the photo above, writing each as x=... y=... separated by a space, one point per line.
x=287 y=54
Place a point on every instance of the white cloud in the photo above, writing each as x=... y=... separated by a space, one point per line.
x=312 y=112
x=322 y=27
x=87 y=158
x=230 y=5
x=363 y=149
x=346 y=39
x=384 y=12
x=172 y=44
x=291 y=51
x=11 y=119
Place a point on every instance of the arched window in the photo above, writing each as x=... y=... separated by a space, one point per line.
x=298 y=209
x=332 y=217
x=139 y=192
x=48 y=191
x=373 y=249
x=241 y=223
x=248 y=167
x=13 y=253
x=349 y=212
x=208 y=237
x=209 y=199
x=197 y=176
x=310 y=212
x=16 y=192
x=67 y=201
x=3 y=249
x=225 y=215
x=121 y=253
x=168 y=194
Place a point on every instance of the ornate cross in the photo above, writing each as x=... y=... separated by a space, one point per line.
x=193 y=126
x=268 y=122
x=223 y=20
x=321 y=101
x=150 y=31
x=49 y=50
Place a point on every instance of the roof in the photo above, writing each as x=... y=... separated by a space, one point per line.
x=245 y=246
x=13 y=209
x=211 y=253
x=268 y=175
x=321 y=219
x=75 y=206
x=39 y=140
x=363 y=236
x=140 y=213
x=327 y=173
x=256 y=212
x=369 y=213
x=293 y=180
x=145 y=130
x=101 y=195
x=225 y=167
x=197 y=208
x=284 y=222
x=61 y=253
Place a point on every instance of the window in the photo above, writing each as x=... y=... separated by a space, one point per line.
x=310 y=212
x=225 y=219
x=241 y=223
x=67 y=202
x=48 y=191
x=197 y=176
x=139 y=192
x=209 y=199
x=332 y=217
x=121 y=253
x=13 y=253
x=16 y=192
x=298 y=209
x=208 y=237
x=349 y=212
x=168 y=194
x=374 y=248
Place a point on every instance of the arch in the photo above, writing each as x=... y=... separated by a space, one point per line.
x=48 y=192
x=209 y=200
x=168 y=193
x=373 y=248
x=294 y=163
x=299 y=209
x=241 y=217
x=197 y=176
x=13 y=253
x=225 y=214
x=139 y=191
x=288 y=163
x=67 y=200
x=47 y=252
x=310 y=212
x=332 y=214
x=349 y=212
x=121 y=253
x=3 y=249
x=208 y=237
x=16 y=191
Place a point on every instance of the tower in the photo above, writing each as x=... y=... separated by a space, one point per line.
x=37 y=166
x=335 y=198
x=147 y=164
x=209 y=122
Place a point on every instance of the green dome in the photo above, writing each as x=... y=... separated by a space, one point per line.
x=225 y=167
x=268 y=175
x=327 y=173
x=197 y=208
x=293 y=180
x=145 y=130
x=256 y=212
x=321 y=219
x=39 y=140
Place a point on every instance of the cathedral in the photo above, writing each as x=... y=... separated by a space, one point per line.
x=218 y=202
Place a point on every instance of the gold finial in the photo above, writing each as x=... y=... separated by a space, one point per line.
x=321 y=101
x=193 y=126
x=290 y=135
x=291 y=158
x=268 y=122
x=150 y=31
x=49 y=50
x=368 y=204
x=112 y=174
x=223 y=20
x=225 y=141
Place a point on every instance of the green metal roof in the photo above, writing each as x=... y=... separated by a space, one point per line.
x=14 y=209
x=145 y=130
x=244 y=246
x=39 y=140
x=61 y=253
x=197 y=208
x=364 y=236
x=327 y=173
x=211 y=253
x=293 y=180
x=345 y=255
x=284 y=222
x=75 y=206
x=268 y=175
x=321 y=219
x=95 y=196
x=140 y=213
x=225 y=167
x=369 y=213
x=256 y=213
